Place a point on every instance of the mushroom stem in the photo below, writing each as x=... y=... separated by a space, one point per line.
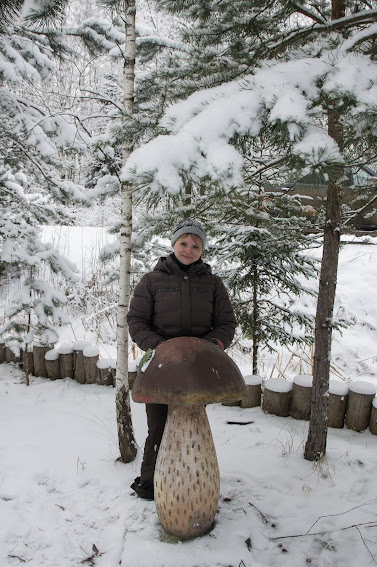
x=186 y=478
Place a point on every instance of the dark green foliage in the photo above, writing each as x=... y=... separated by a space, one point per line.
x=264 y=241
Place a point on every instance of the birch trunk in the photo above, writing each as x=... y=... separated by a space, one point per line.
x=127 y=445
x=315 y=447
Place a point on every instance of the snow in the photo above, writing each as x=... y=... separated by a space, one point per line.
x=81 y=345
x=278 y=385
x=106 y=363
x=338 y=388
x=252 y=379
x=52 y=354
x=90 y=351
x=63 y=496
x=304 y=380
x=362 y=387
x=65 y=348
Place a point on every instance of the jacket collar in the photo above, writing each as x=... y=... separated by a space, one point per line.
x=170 y=266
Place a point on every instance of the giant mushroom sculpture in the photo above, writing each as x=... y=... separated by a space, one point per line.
x=186 y=373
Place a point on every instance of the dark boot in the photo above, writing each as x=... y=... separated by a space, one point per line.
x=143 y=489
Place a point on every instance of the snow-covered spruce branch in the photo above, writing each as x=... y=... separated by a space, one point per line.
x=59 y=188
x=360 y=211
x=301 y=9
x=158 y=41
x=365 y=17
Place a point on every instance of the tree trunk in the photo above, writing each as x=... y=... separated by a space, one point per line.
x=255 y=321
x=315 y=447
x=127 y=445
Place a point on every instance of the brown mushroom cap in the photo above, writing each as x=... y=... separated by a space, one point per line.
x=189 y=371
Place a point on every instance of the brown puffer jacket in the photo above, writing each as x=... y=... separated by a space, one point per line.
x=169 y=302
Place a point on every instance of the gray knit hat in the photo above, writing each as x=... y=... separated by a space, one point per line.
x=189 y=226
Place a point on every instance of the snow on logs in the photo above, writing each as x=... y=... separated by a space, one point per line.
x=79 y=361
x=186 y=373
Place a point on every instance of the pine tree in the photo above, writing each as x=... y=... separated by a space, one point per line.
x=35 y=145
x=263 y=244
x=299 y=74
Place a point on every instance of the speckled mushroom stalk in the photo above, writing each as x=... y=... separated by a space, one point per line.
x=186 y=373
x=187 y=478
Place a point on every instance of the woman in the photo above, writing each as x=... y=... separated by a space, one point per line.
x=179 y=298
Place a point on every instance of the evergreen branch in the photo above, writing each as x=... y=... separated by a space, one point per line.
x=361 y=211
x=365 y=17
x=301 y=9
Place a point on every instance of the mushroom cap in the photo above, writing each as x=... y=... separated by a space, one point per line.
x=188 y=371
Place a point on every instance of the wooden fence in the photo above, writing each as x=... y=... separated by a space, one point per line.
x=353 y=405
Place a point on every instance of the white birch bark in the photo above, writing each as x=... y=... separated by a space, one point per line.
x=127 y=445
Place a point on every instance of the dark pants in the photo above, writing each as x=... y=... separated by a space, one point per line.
x=156 y=419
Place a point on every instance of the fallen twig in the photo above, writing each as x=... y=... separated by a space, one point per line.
x=339 y=514
x=366 y=524
x=363 y=540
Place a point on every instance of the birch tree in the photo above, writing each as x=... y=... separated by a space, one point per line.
x=127 y=444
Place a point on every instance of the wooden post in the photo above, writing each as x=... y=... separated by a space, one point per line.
x=338 y=397
x=133 y=367
x=301 y=396
x=91 y=357
x=78 y=361
x=359 y=407
x=253 y=395
x=277 y=396
x=131 y=379
x=11 y=355
x=105 y=366
x=52 y=364
x=66 y=360
x=40 y=368
x=373 y=418
x=8 y=354
x=2 y=352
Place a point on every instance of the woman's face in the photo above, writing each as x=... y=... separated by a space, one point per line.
x=188 y=249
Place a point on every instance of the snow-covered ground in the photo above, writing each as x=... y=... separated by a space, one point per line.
x=65 y=501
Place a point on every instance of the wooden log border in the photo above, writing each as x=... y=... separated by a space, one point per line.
x=353 y=404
